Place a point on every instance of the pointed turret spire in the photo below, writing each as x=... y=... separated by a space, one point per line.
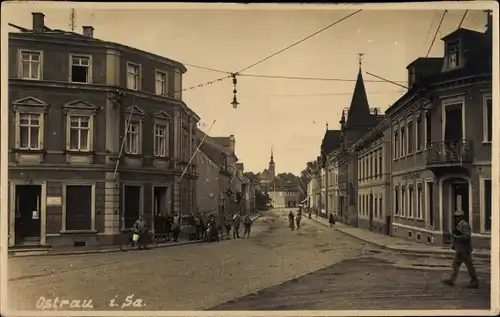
x=272 y=156
x=327 y=126
x=359 y=110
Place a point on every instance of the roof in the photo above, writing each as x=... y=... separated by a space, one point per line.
x=359 y=110
x=331 y=141
x=478 y=56
x=223 y=140
x=462 y=32
x=433 y=62
x=212 y=153
x=61 y=35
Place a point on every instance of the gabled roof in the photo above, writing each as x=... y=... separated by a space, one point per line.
x=223 y=140
x=331 y=141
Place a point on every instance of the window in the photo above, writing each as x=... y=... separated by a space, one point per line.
x=31 y=64
x=420 y=200
x=161 y=139
x=185 y=147
x=487 y=119
x=371 y=164
x=79 y=133
x=411 y=192
x=453 y=54
x=78 y=207
x=380 y=163
x=396 y=144
x=428 y=128
x=161 y=83
x=487 y=205
x=375 y=163
x=430 y=202
x=133 y=76
x=29 y=131
x=418 y=132
x=80 y=69
x=396 y=200
x=410 y=137
x=133 y=138
x=402 y=147
x=403 y=201
x=178 y=85
x=380 y=204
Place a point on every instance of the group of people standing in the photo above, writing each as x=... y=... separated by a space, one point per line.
x=233 y=223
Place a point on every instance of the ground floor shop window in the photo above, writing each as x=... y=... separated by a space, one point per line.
x=78 y=207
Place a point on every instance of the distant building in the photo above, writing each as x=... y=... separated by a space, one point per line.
x=79 y=105
x=285 y=195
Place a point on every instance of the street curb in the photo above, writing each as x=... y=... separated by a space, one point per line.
x=403 y=250
x=48 y=253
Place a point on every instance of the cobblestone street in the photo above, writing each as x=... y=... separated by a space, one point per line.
x=203 y=276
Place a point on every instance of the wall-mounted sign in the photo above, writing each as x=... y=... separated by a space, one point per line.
x=35 y=214
x=54 y=201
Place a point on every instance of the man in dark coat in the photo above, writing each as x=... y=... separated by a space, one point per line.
x=463 y=248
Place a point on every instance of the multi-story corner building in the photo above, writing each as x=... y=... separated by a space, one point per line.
x=441 y=142
x=286 y=195
x=373 y=185
x=355 y=122
x=99 y=135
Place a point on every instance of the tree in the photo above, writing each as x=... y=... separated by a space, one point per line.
x=261 y=200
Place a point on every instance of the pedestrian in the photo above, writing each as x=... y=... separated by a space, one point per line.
x=197 y=220
x=236 y=225
x=298 y=218
x=227 y=225
x=176 y=226
x=248 y=226
x=309 y=210
x=332 y=219
x=291 y=220
x=462 y=245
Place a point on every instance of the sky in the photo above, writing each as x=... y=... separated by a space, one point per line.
x=287 y=115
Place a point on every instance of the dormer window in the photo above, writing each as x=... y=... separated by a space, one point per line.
x=453 y=53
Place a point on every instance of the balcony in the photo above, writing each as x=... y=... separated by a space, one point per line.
x=448 y=153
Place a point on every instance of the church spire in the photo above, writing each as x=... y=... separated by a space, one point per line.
x=359 y=110
x=272 y=157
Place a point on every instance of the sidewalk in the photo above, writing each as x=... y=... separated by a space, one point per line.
x=395 y=243
x=95 y=249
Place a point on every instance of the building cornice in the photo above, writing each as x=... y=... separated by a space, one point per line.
x=45 y=84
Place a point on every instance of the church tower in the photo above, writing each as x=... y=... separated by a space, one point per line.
x=271 y=168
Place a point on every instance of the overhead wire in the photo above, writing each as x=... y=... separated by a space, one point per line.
x=435 y=34
x=298 y=42
x=463 y=18
x=311 y=78
x=430 y=27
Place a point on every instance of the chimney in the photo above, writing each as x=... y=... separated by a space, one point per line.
x=38 y=21
x=88 y=31
x=233 y=142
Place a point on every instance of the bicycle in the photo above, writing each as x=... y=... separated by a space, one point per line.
x=127 y=241
x=160 y=238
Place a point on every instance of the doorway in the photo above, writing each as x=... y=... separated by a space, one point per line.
x=453 y=128
x=160 y=203
x=460 y=198
x=131 y=204
x=27 y=212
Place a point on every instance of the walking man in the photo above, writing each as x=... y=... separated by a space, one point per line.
x=463 y=248
x=248 y=226
x=236 y=225
x=298 y=218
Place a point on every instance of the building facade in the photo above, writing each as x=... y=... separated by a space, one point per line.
x=441 y=142
x=373 y=185
x=99 y=135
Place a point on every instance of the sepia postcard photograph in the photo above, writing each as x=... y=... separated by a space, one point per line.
x=230 y=159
